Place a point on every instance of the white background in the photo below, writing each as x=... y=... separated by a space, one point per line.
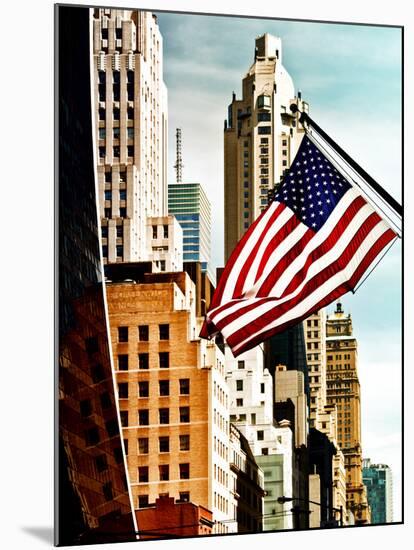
x=26 y=286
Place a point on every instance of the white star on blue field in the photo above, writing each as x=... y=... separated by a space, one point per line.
x=351 y=77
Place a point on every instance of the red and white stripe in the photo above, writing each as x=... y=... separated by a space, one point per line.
x=281 y=271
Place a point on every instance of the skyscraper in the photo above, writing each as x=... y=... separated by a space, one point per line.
x=378 y=481
x=190 y=205
x=131 y=129
x=261 y=137
x=343 y=390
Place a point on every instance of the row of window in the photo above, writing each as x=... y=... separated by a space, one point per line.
x=116 y=151
x=163 y=385
x=143 y=361
x=220 y=475
x=122 y=195
x=116 y=92
x=143 y=332
x=116 y=132
x=339 y=357
x=119 y=231
x=163 y=472
x=116 y=113
x=163 y=416
x=163 y=444
x=122 y=176
x=164 y=232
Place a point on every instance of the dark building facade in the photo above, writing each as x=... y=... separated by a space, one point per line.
x=92 y=498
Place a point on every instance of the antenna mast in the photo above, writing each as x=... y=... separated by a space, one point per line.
x=179 y=159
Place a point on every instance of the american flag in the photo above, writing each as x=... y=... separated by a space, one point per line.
x=312 y=244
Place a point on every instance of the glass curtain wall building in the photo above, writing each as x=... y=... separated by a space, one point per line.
x=190 y=205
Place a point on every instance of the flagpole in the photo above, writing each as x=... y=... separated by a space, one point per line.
x=388 y=199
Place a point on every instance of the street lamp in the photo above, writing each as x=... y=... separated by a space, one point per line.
x=282 y=500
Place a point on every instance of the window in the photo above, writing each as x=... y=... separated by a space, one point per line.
x=143 y=474
x=85 y=408
x=239 y=385
x=184 y=496
x=124 y=418
x=130 y=113
x=264 y=151
x=107 y=491
x=164 y=359
x=92 y=436
x=116 y=113
x=239 y=402
x=164 y=332
x=165 y=230
x=262 y=387
x=164 y=416
x=104 y=233
x=185 y=471
x=184 y=442
x=102 y=133
x=105 y=399
x=164 y=387
x=101 y=463
x=143 y=388
x=108 y=195
x=264 y=117
x=119 y=250
x=143 y=501
x=123 y=390
x=164 y=444
x=143 y=360
x=112 y=427
x=143 y=333
x=102 y=152
x=260 y=435
x=184 y=414
x=264 y=130
x=116 y=131
x=143 y=445
x=240 y=364
x=164 y=470
x=123 y=362
x=116 y=151
x=119 y=231
x=122 y=195
x=143 y=417
x=265 y=451
x=184 y=386
x=107 y=212
x=122 y=334
x=102 y=113
x=263 y=101
x=126 y=446
x=130 y=150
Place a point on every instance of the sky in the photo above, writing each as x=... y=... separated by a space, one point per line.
x=351 y=77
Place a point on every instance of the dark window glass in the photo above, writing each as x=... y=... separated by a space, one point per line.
x=143 y=359
x=112 y=427
x=143 y=445
x=143 y=388
x=108 y=177
x=239 y=385
x=143 y=333
x=164 y=444
x=264 y=117
x=185 y=471
x=130 y=76
x=262 y=388
x=264 y=130
x=91 y=344
x=106 y=400
x=116 y=133
x=130 y=150
x=104 y=231
x=184 y=414
x=98 y=373
x=122 y=212
x=107 y=212
x=184 y=386
x=101 y=463
x=240 y=364
x=123 y=390
x=116 y=113
x=118 y=455
x=104 y=250
x=85 y=407
x=102 y=113
x=126 y=446
x=107 y=491
x=184 y=442
x=105 y=34
x=164 y=415
x=164 y=387
x=92 y=436
x=143 y=416
x=164 y=332
x=123 y=362
x=143 y=474
x=124 y=418
x=164 y=358
x=122 y=334
x=119 y=250
x=116 y=150
x=143 y=501
x=164 y=472
x=260 y=435
x=184 y=496
x=122 y=195
x=119 y=231
x=130 y=113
